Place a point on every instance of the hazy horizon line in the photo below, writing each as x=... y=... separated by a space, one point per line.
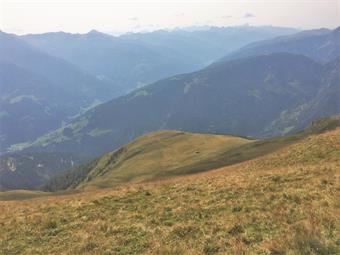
x=169 y=29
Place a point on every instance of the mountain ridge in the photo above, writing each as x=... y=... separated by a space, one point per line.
x=238 y=99
x=46 y=96
x=152 y=156
x=319 y=44
x=137 y=59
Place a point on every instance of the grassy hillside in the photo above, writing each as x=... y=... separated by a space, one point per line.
x=21 y=194
x=152 y=156
x=285 y=202
x=163 y=154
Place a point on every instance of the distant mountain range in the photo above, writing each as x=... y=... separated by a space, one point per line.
x=247 y=97
x=39 y=92
x=47 y=79
x=322 y=45
x=137 y=59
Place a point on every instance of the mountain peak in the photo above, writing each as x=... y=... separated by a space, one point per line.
x=94 y=32
x=97 y=34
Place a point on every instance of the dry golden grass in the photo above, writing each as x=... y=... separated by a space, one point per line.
x=286 y=202
x=159 y=155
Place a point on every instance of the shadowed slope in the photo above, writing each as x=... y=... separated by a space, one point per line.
x=31 y=170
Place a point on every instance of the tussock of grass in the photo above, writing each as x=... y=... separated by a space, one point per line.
x=281 y=203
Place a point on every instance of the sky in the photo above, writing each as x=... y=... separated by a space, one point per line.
x=81 y=16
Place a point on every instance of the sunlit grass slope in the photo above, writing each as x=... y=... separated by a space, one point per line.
x=165 y=154
x=285 y=202
x=159 y=155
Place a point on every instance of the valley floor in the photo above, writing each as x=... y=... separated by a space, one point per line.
x=282 y=203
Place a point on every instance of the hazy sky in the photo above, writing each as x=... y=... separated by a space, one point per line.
x=19 y=16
